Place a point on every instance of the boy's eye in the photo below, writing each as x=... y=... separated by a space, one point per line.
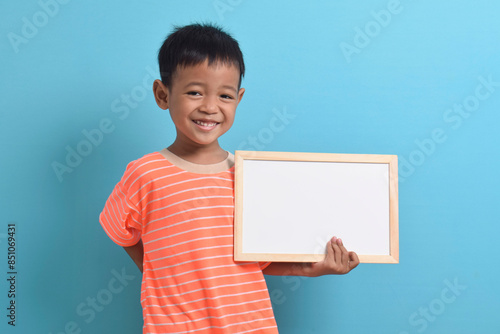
x=193 y=93
x=225 y=96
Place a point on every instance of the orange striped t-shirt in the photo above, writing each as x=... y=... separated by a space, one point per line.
x=183 y=212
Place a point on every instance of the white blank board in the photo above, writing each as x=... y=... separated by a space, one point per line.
x=288 y=205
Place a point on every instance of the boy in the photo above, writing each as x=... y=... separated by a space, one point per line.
x=173 y=209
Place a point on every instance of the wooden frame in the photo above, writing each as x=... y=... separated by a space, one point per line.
x=288 y=205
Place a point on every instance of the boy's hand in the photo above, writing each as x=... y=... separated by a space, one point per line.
x=338 y=260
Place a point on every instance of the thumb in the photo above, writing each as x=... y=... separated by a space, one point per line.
x=353 y=260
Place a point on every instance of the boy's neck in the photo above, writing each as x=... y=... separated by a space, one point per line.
x=199 y=155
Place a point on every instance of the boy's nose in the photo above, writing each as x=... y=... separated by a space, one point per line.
x=209 y=106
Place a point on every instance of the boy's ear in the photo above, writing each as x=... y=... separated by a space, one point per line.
x=240 y=94
x=161 y=94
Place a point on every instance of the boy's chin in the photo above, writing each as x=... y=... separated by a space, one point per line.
x=199 y=143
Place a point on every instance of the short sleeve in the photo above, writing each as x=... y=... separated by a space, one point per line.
x=120 y=217
x=264 y=265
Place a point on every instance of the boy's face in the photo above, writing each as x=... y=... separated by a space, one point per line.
x=202 y=101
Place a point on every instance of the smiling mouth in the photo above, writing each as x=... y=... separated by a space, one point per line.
x=207 y=125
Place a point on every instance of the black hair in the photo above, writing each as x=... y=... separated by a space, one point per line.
x=193 y=44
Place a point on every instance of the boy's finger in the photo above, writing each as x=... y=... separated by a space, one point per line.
x=329 y=250
x=345 y=252
x=337 y=253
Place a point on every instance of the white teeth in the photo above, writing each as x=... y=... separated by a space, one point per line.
x=205 y=123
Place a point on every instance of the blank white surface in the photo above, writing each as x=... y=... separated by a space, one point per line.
x=295 y=207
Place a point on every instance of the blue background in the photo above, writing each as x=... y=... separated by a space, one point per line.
x=68 y=68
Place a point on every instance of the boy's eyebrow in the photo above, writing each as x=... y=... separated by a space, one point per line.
x=196 y=83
